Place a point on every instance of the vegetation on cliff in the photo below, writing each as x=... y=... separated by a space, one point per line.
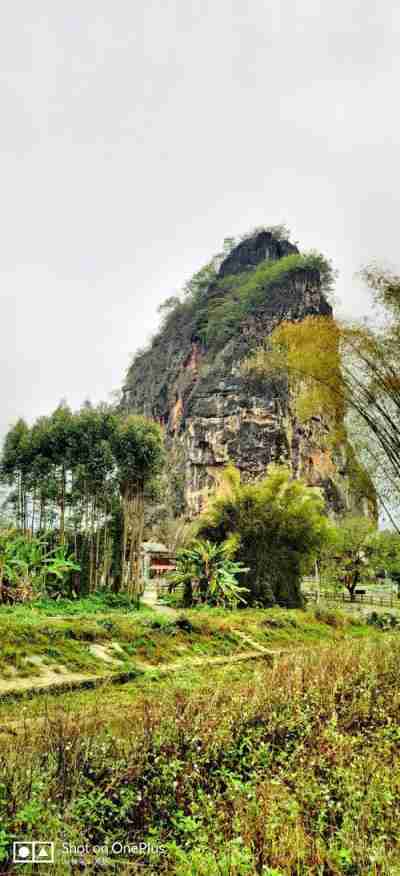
x=235 y=297
x=212 y=308
x=214 y=411
x=337 y=369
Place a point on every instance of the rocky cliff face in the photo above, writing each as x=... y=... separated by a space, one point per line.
x=190 y=380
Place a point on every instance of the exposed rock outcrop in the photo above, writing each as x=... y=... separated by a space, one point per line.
x=212 y=412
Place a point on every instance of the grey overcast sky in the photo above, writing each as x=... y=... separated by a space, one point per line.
x=136 y=136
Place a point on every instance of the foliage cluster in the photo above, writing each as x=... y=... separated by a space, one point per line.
x=28 y=568
x=278 y=525
x=337 y=367
x=279 y=232
x=292 y=769
x=294 y=349
x=209 y=573
x=99 y=602
x=356 y=554
x=384 y=621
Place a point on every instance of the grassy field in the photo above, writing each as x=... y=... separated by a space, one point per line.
x=289 y=768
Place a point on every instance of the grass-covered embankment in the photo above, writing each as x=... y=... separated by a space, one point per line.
x=90 y=637
x=96 y=643
x=287 y=769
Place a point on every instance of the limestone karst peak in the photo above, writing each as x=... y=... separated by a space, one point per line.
x=190 y=378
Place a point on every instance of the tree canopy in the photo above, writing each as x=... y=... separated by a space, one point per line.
x=73 y=474
x=358 y=554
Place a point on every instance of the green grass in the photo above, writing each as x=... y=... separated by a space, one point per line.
x=101 y=602
x=66 y=640
x=281 y=627
x=60 y=632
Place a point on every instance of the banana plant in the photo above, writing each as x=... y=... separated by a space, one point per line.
x=27 y=569
x=57 y=565
x=20 y=561
x=209 y=574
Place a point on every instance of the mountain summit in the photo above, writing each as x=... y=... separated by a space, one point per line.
x=190 y=378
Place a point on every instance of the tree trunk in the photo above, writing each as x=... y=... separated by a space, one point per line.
x=96 y=563
x=138 y=527
x=19 y=502
x=41 y=512
x=188 y=594
x=133 y=510
x=33 y=513
x=352 y=588
x=91 y=554
x=106 y=556
x=124 y=560
x=62 y=507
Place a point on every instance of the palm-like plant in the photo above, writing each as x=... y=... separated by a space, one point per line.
x=57 y=566
x=209 y=573
x=26 y=570
x=20 y=557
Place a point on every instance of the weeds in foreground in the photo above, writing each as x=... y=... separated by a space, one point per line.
x=292 y=771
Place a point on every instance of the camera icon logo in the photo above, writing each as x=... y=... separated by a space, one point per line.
x=33 y=852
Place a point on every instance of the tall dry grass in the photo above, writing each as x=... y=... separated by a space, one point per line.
x=291 y=770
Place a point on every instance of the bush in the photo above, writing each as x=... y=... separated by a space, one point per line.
x=99 y=601
x=384 y=621
x=332 y=618
x=29 y=569
x=279 y=526
x=294 y=771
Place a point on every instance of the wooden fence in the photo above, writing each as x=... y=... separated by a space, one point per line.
x=390 y=600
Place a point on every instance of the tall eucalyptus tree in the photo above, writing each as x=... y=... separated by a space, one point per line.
x=139 y=455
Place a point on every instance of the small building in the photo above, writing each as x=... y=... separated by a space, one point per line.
x=157 y=560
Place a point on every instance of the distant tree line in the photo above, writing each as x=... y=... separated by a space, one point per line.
x=80 y=478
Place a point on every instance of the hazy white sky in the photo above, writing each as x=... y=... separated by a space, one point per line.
x=135 y=137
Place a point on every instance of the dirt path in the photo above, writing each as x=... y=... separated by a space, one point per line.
x=70 y=682
x=150 y=599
